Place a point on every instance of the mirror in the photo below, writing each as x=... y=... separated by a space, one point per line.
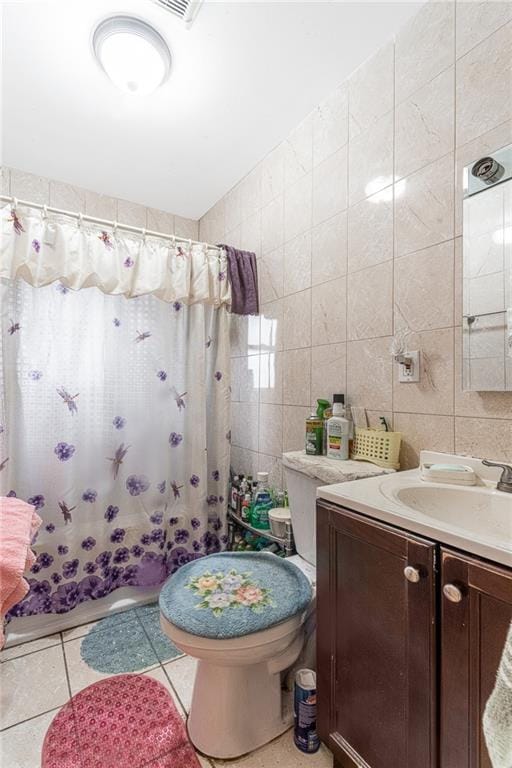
x=487 y=273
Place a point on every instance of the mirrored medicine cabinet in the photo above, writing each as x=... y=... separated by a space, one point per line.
x=487 y=273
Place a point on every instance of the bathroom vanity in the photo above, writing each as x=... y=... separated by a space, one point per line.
x=413 y=612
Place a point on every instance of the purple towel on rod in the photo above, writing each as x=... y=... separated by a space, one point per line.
x=243 y=277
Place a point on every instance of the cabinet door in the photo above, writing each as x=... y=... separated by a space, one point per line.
x=472 y=639
x=376 y=642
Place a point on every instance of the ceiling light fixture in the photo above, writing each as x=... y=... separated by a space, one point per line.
x=132 y=54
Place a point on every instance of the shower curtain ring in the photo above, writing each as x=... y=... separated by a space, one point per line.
x=45 y=212
x=80 y=219
x=14 y=203
x=114 y=228
x=144 y=233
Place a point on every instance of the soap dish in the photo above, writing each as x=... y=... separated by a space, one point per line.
x=456 y=474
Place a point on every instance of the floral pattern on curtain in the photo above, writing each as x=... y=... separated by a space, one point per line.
x=114 y=424
x=43 y=249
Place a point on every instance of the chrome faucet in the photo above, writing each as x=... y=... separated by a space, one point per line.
x=505 y=481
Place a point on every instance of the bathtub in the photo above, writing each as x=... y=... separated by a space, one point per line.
x=21 y=630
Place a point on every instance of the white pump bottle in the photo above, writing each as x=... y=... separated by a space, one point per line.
x=338 y=431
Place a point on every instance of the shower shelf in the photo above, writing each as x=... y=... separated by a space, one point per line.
x=286 y=542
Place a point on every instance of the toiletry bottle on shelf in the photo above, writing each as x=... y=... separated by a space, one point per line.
x=246 y=508
x=326 y=415
x=314 y=431
x=234 y=492
x=351 y=432
x=338 y=430
x=315 y=425
x=242 y=489
x=262 y=503
x=322 y=408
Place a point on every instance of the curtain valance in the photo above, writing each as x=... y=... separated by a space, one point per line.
x=42 y=249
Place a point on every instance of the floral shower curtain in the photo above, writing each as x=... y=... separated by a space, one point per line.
x=114 y=423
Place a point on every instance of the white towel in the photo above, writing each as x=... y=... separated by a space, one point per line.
x=497 y=720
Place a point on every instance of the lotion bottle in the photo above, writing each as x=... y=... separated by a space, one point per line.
x=338 y=431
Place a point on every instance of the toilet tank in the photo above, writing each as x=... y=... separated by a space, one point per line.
x=302 y=500
x=303 y=475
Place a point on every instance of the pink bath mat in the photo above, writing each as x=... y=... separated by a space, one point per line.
x=128 y=721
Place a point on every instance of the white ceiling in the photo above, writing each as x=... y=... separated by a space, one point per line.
x=243 y=76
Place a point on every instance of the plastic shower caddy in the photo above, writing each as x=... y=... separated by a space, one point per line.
x=377 y=446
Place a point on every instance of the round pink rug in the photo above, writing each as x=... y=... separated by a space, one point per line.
x=126 y=721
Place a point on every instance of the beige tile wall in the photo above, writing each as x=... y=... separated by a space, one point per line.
x=39 y=189
x=356 y=221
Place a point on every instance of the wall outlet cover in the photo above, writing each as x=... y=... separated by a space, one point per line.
x=410 y=374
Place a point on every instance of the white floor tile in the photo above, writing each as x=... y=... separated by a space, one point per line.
x=20 y=746
x=81 y=674
x=76 y=632
x=159 y=675
x=280 y=753
x=33 y=684
x=34 y=645
x=181 y=674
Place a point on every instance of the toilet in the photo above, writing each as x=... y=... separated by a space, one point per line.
x=238 y=703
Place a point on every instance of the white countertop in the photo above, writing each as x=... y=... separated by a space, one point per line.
x=376 y=498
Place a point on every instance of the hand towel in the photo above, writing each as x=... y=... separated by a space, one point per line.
x=18 y=525
x=497 y=720
x=243 y=278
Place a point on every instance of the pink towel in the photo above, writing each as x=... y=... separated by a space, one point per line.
x=18 y=525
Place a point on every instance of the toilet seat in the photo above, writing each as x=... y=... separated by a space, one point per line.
x=234 y=594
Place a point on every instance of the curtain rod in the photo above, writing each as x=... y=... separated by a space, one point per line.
x=104 y=222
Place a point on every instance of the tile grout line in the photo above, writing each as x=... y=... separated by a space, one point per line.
x=174 y=689
x=162 y=665
x=455 y=187
x=28 y=653
x=347 y=246
x=160 y=662
x=483 y=40
x=310 y=231
x=393 y=235
x=71 y=698
x=347 y=273
x=66 y=670
x=28 y=719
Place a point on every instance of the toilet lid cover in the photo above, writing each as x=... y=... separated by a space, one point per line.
x=231 y=594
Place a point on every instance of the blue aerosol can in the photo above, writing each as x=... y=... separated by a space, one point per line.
x=304 y=713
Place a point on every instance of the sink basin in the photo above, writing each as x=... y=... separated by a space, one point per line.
x=476 y=519
x=481 y=511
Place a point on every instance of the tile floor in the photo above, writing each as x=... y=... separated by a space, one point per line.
x=38 y=677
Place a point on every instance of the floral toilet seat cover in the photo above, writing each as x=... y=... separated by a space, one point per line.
x=232 y=594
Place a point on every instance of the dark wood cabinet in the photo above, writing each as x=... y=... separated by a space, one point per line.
x=406 y=660
x=474 y=628
x=375 y=642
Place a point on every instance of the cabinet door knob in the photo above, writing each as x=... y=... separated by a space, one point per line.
x=412 y=574
x=452 y=593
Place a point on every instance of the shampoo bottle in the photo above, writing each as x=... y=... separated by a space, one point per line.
x=338 y=431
